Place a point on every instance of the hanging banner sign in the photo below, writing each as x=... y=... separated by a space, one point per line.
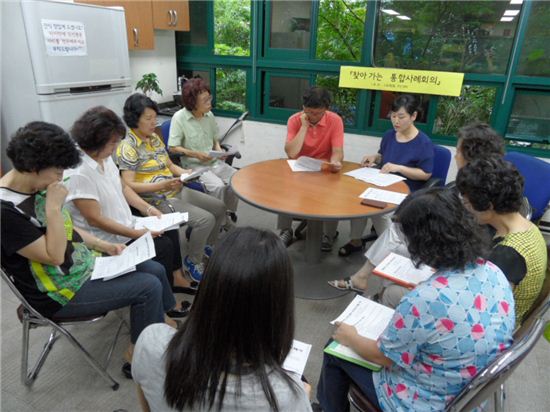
x=400 y=80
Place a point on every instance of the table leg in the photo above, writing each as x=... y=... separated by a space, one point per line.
x=313 y=241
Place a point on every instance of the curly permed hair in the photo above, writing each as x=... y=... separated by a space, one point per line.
x=439 y=231
x=191 y=90
x=491 y=182
x=40 y=145
x=479 y=141
x=96 y=127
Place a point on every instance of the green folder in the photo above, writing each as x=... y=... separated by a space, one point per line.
x=334 y=350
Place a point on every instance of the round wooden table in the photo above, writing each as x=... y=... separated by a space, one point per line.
x=314 y=196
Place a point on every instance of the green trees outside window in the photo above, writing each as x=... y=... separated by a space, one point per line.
x=231 y=90
x=463 y=36
x=232 y=28
x=535 y=56
x=340 y=29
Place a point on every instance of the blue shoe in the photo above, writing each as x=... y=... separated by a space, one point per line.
x=195 y=270
x=208 y=250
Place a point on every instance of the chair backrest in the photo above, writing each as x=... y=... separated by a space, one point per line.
x=8 y=279
x=165 y=130
x=442 y=160
x=536 y=173
x=489 y=379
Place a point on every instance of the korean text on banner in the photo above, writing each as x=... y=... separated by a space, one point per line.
x=399 y=80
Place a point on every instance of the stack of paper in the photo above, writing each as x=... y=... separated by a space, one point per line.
x=193 y=175
x=167 y=221
x=216 y=154
x=110 y=267
x=297 y=357
x=370 y=319
x=306 y=164
x=383 y=195
x=401 y=270
x=375 y=176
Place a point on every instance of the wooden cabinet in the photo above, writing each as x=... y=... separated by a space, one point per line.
x=139 y=23
x=171 y=15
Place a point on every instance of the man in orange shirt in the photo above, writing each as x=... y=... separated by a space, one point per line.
x=319 y=133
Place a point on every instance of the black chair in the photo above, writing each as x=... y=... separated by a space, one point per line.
x=31 y=318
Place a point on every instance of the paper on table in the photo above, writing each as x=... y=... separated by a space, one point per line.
x=222 y=153
x=193 y=175
x=167 y=221
x=370 y=319
x=109 y=267
x=383 y=195
x=374 y=176
x=306 y=164
x=297 y=357
x=402 y=271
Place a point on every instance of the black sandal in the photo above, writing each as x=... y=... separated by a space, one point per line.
x=348 y=249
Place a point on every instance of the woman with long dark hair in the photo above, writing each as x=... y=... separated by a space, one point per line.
x=229 y=353
x=443 y=331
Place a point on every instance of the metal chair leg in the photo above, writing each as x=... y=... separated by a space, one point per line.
x=114 y=384
x=28 y=377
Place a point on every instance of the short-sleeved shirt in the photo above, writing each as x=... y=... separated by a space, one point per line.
x=321 y=139
x=149 y=160
x=197 y=134
x=417 y=153
x=89 y=181
x=149 y=371
x=522 y=257
x=442 y=333
x=46 y=287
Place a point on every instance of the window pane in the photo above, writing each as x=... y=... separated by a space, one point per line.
x=535 y=55
x=530 y=118
x=203 y=74
x=231 y=90
x=474 y=103
x=286 y=92
x=344 y=101
x=232 y=28
x=341 y=25
x=388 y=98
x=290 y=21
x=197 y=35
x=463 y=36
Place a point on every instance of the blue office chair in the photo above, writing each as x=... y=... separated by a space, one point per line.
x=536 y=173
x=442 y=160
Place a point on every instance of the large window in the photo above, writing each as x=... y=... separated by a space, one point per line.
x=530 y=118
x=232 y=28
x=535 y=55
x=463 y=36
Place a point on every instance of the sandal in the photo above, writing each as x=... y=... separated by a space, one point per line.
x=348 y=285
x=348 y=249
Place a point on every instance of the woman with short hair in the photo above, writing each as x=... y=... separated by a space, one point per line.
x=52 y=260
x=100 y=201
x=228 y=357
x=148 y=170
x=194 y=133
x=492 y=189
x=442 y=332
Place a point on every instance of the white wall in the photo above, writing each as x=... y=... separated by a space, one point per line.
x=161 y=61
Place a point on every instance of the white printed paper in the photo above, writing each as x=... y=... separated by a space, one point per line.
x=167 y=221
x=110 y=267
x=297 y=357
x=216 y=154
x=185 y=177
x=401 y=270
x=375 y=176
x=383 y=195
x=64 y=38
x=305 y=164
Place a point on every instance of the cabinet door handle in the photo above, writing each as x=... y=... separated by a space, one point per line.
x=171 y=16
x=175 y=17
x=136 y=37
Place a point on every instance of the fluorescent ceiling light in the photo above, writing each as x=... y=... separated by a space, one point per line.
x=511 y=12
x=506 y=18
x=403 y=17
x=392 y=12
x=516 y=2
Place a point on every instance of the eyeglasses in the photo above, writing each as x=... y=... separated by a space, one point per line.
x=314 y=113
x=206 y=100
